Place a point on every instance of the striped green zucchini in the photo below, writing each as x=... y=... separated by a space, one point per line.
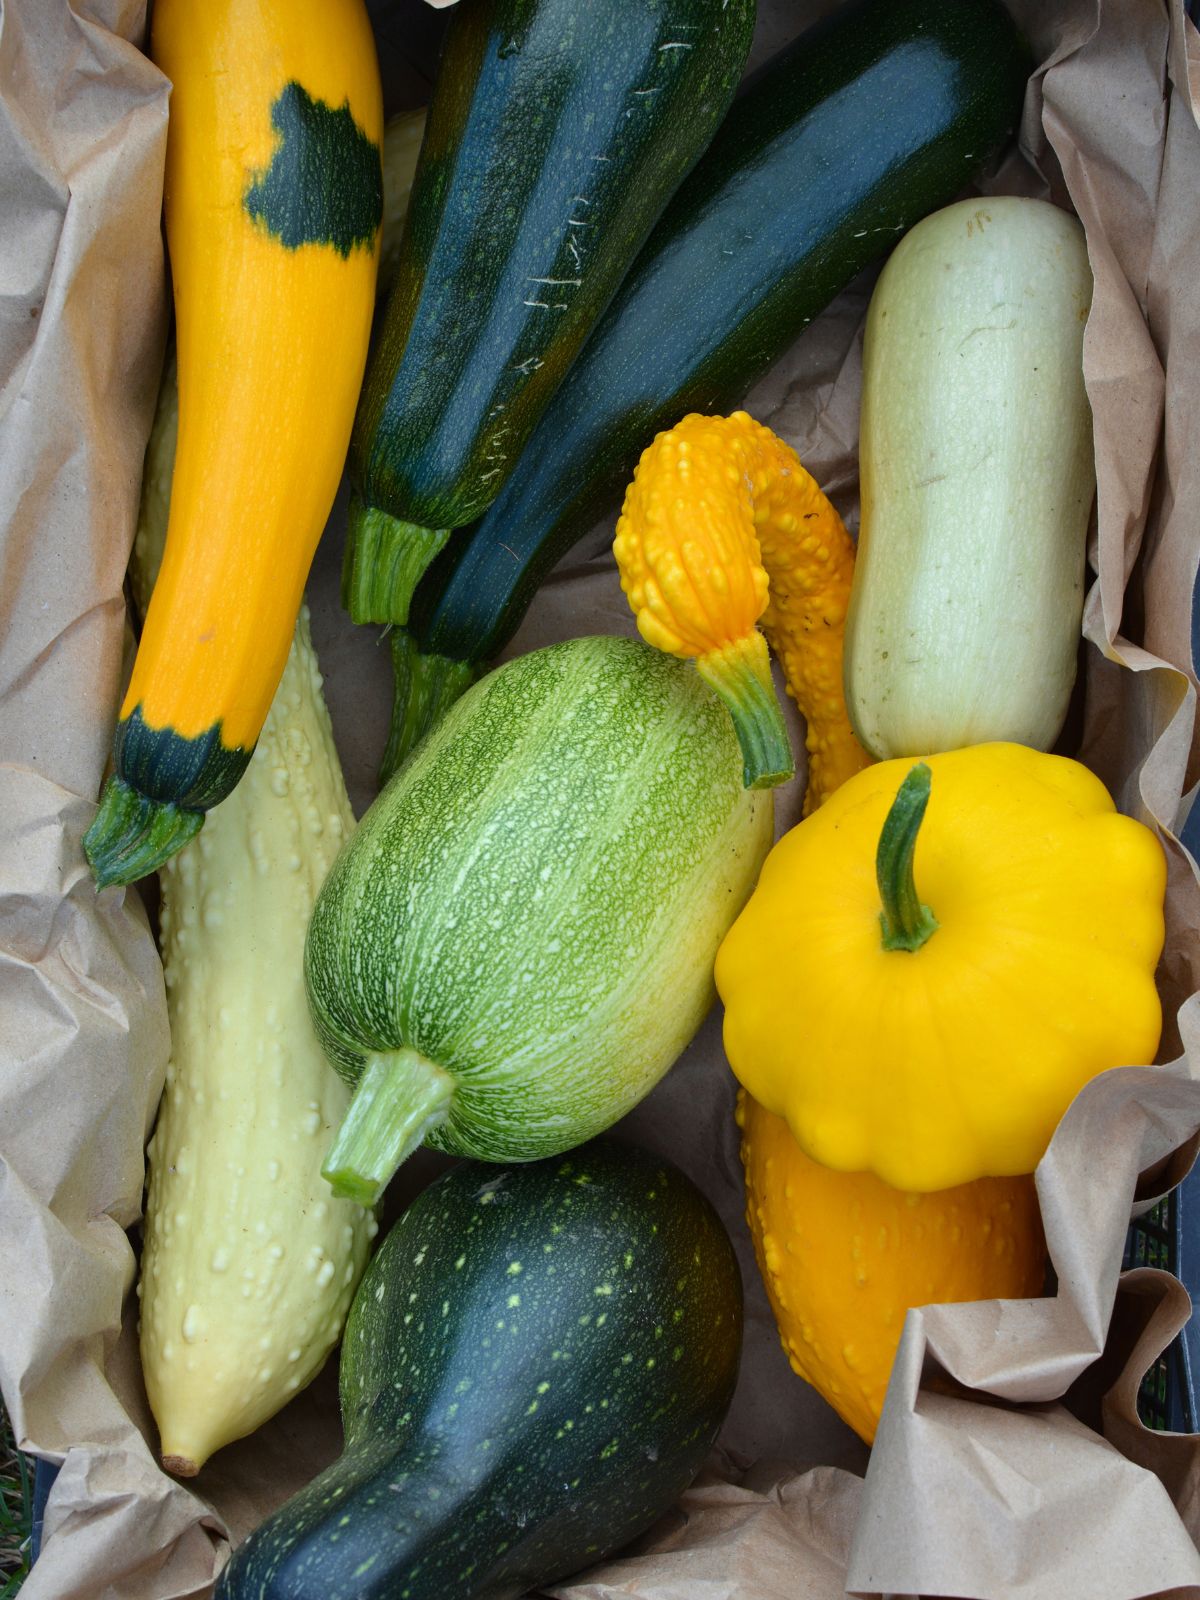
x=518 y=940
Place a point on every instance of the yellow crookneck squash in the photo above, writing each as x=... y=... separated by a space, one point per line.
x=273 y=200
x=722 y=527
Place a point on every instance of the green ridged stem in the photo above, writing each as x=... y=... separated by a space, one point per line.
x=906 y=923
x=741 y=675
x=132 y=835
x=400 y=1098
x=426 y=687
x=384 y=561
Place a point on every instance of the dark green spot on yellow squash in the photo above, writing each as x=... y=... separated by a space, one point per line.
x=294 y=199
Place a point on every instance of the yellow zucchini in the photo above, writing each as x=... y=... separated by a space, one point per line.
x=273 y=200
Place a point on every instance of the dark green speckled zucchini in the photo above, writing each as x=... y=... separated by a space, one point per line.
x=536 y=1363
x=558 y=131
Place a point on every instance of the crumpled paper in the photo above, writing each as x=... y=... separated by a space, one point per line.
x=1010 y=1460
x=767 y=1530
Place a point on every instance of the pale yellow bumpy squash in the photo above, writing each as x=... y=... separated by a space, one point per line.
x=249 y=1263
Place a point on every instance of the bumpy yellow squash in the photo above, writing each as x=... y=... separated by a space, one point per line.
x=273 y=201
x=722 y=527
x=844 y=1256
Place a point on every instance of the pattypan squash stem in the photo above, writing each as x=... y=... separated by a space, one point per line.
x=906 y=923
x=401 y=1097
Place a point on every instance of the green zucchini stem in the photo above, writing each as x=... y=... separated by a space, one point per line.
x=132 y=835
x=426 y=687
x=906 y=923
x=741 y=674
x=383 y=563
x=401 y=1097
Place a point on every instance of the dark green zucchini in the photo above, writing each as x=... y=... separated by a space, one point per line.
x=860 y=128
x=558 y=131
x=535 y=1365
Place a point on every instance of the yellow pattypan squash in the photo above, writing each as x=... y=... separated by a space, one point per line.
x=844 y=1256
x=923 y=1000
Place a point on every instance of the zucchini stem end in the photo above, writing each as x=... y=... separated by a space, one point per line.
x=401 y=1097
x=132 y=835
x=426 y=687
x=384 y=561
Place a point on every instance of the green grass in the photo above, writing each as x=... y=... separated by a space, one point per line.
x=16 y=1512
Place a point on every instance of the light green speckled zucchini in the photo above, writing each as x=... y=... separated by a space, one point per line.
x=519 y=939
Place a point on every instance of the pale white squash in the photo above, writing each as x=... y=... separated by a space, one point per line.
x=978 y=476
x=249 y=1262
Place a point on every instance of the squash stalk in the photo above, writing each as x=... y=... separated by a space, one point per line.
x=906 y=923
x=384 y=560
x=741 y=674
x=401 y=1097
x=133 y=835
x=426 y=687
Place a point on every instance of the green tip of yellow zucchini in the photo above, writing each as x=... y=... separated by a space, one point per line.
x=426 y=687
x=132 y=835
x=384 y=561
